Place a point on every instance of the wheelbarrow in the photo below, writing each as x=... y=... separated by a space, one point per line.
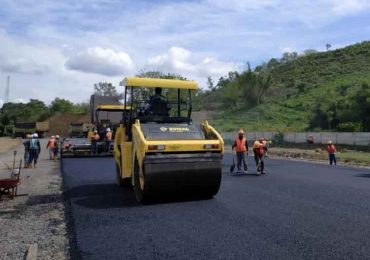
x=9 y=186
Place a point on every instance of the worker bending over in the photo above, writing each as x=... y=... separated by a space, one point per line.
x=259 y=152
x=240 y=147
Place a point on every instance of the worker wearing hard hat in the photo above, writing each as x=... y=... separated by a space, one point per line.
x=50 y=146
x=34 y=149
x=240 y=147
x=331 y=151
x=108 y=139
x=259 y=151
x=94 y=141
x=56 y=147
x=26 y=150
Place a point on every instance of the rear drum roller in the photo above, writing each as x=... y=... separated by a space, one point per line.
x=140 y=188
x=119 y=181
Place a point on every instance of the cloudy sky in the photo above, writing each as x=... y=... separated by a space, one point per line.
x=61 y=48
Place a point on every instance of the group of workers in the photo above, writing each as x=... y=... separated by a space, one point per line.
x=260 y=148
x=32 y=149
x=95 y=138
x=240 y=148
x=53 y=146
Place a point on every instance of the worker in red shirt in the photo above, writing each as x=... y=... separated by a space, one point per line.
x=50 y=146
x=259 y=152
x=240 y=147
x=331 y=151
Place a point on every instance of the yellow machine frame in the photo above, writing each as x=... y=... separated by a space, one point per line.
x=127 y=153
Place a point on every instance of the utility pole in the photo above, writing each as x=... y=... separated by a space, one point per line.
x=7 y=90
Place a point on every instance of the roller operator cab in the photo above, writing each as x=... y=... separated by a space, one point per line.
x=158 y=149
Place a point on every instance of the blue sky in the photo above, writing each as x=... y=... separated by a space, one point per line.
x=61 y=48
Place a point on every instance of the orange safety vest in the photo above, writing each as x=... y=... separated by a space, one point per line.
x=331 y=148
x=109 y=135
x=95 y=137
x=240 y=144
x=258 y=147
x=51 y=143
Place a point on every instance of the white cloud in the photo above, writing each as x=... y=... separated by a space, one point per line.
x=54 y=55
x=101 y=61
x=193 y=66
x=16 y=57
x=349 y=7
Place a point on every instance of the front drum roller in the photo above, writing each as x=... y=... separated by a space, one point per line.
x=180 y=174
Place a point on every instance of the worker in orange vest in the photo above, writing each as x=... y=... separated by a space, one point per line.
x=108 y=139
x=50 y=146
x=94 y=141
x=240 y=147
x=259 y=152
x=331 y=151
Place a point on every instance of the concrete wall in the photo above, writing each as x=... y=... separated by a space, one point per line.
x=356 y=138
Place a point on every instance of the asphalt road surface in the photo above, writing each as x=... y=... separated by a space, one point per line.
x=297 y=210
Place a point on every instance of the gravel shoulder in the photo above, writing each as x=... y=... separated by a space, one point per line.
x=38 y=215
x=7 y=143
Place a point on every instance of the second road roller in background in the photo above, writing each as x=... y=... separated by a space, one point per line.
x=158 y=149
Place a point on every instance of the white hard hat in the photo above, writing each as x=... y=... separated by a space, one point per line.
x=108 y=129
x=57 y=136
x=52 y=137
x=35 y=135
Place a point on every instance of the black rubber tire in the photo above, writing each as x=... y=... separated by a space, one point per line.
x=141 y=195
x=119 y=181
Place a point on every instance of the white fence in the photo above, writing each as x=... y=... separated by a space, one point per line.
x=350 y=138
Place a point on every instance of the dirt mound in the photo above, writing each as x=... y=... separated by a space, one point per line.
x=59 y=123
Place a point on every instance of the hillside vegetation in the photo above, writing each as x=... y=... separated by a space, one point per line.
x=312 y=91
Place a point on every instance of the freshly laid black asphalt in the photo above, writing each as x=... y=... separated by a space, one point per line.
x=298 y=210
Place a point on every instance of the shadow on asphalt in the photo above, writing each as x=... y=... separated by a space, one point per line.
x=102 y=196
x=105 y=196
x=363 y=175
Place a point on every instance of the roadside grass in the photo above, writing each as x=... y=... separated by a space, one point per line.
x=348 y=156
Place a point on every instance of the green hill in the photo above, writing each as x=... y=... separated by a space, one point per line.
x=313 y=91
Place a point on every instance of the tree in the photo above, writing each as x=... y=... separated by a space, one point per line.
x=210 y=84
x=61 y=105
x=328 y=46
x=105 y=89
x=263 y=83
x=309 y=52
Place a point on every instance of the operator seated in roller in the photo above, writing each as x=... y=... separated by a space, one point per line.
x=157 y=104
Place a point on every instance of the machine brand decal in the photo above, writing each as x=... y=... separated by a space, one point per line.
x=163 y=129
x=179 y=129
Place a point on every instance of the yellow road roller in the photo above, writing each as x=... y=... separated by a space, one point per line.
x=158 y=149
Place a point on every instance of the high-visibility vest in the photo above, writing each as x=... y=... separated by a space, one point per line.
x=258 y=147
x=240 y=144
x=331 y=148
x=257 y=144
x=109 y=135
x=51 y=143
